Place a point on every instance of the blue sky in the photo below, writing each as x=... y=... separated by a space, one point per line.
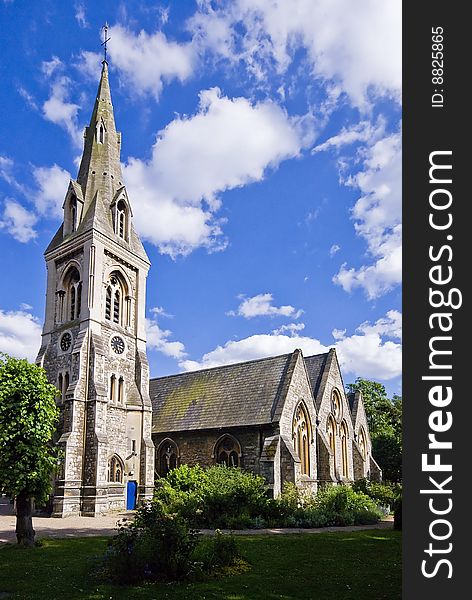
x=262 y=156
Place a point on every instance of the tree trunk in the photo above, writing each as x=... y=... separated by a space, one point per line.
x=24 y=520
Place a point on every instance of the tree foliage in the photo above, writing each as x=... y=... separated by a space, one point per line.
x=384 y=416
x=28 y=417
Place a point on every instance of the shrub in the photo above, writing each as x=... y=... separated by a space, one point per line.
x=217 y=553
x=227 y=497
x=155 y=546
x=290 y=499
x=385 y=494
x=341 y=505
x=224 y=497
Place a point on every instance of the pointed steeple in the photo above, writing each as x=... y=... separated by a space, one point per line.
x=100 y=167
x=97 y=200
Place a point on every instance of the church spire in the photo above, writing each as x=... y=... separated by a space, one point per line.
x=100 y=168
x=97 y=200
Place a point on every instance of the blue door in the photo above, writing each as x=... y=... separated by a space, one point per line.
x=131 y=492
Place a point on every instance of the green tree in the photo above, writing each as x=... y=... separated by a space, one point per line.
x=384 y=416
x=28 y=417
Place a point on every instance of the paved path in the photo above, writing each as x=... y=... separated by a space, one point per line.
x=106 y=525
x=63 y=528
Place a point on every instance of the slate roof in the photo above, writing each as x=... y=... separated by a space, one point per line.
x=315 y=366
x=350 y=398
x=354 y=399
x=229 y=396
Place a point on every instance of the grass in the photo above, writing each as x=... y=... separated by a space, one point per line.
x=325 y=566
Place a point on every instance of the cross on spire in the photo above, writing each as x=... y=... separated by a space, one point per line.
x=106 y=39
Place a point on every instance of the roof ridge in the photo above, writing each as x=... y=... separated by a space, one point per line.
x=316 y=355
x=242 y=362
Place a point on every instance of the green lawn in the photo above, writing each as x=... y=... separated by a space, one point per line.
x=344 y=566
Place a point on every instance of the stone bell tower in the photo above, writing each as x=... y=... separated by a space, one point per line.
x=94 y=341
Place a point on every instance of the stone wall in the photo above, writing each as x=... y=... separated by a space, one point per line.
x=197 y=447
x=331 y=381
x=298 y=391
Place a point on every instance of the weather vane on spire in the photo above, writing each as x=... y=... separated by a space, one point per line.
x=106 y=39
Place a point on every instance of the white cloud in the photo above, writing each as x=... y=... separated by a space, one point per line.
x=261 y=305
x=89 y=64
x=20 y=334
x=52 y=187
x=160 y=311
x=228 y=143
x=147 y=61
x=29 y=98
x=60 y=111
x=80 y=15
x=364 y=131
x=377 y=215
x=47 y=197
x=388 y=326
x=18 y=221
x=253 y=347
x=48 y=67
x=291 y=328
x=7 y=166
x=334 y=249
x=158 y=339
x=370 y=354
x=356 y=46
x=366 y=354
x=339 y=334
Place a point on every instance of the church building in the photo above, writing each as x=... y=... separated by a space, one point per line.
x=286 y=417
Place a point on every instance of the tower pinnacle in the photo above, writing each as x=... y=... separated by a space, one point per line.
x=100 y=167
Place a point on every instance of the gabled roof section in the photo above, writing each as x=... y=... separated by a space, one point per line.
x=235 y=395
x=358 y=414
x=76 y=189
x=315 y=366
x=56 y=240
x=353 y=401
x=122 y=194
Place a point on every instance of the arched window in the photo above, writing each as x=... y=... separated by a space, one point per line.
x=336 y=404
x=228 y=451
x=331 y=433
x=112 y=388
x=301 y=433
x=121 y=219
x=60 y=385
x=363 y=443
x=114 y=299
x=117 y=307
x=344 y=435
x=73 y=213
x=115 y=469
x=108 y=303
x=101 y=132
x=66 y=385
x=73 y=287
x=60 y=295
x=121 y=393
x=167 y=457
